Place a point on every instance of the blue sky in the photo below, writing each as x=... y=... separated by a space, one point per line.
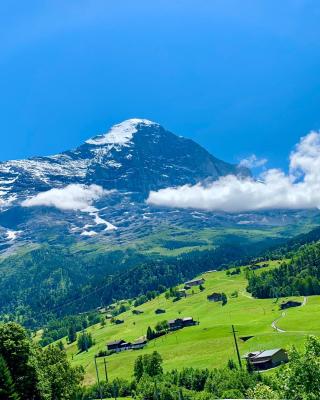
x=239 y=77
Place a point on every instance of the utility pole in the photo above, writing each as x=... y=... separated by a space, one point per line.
x=236 y=344
x=105 y=369
x=98 y=380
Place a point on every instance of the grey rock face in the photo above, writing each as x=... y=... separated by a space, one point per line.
x=133 y=157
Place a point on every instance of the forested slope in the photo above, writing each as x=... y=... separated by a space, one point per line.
x=298 y=276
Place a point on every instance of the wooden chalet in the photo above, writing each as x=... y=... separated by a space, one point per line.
x=179 y=323
x=266 y=359
x=139 y=343
x=194 y=282
x=115 y=345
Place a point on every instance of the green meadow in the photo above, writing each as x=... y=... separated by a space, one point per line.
x=209 y=344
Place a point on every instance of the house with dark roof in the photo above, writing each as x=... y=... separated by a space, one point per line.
x=126 y=346
x=115 y=345
x=266 y=359
x=137 y=312
x=188 y=321
x=194 y=282
x=118 y=345
x=139 y=343
x=179 y=323
x=160 y=311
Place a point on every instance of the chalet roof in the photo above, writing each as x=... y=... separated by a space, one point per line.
x=140 y=341
x=116 y=342
x=124 y=344
x=173 y=321
x=194 y=280
x=187 y=319
x=256 y=355
x=267 y=353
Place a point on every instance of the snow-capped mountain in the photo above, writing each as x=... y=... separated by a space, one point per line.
x=136 y=155
x=113 y=173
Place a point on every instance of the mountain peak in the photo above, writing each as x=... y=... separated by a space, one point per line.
x=120 y=133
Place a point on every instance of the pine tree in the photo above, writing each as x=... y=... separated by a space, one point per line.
x=72 y=334
x=60 y=345
x=150 y=333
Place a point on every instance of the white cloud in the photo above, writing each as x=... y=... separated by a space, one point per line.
x=71 y=197
x=253 y=162
x=299 y=189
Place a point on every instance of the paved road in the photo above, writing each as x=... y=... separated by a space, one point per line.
x=274 y=323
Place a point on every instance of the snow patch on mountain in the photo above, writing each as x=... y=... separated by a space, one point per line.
x=100 y=221
x=89 y=233
x=121 y=133
x=12 y=235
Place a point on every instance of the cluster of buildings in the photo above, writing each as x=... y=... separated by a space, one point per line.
x=173 y=324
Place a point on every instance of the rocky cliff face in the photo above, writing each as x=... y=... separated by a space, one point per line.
x=136 y=155
x=125 y=164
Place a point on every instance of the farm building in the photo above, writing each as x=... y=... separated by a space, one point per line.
x=182 y=293
x=188 y=321
x=289 y=304
x=194 y=282
x=137 y=312
x=179 y=323
x=215 y=297
x=121 y=345
x=115 y=345
x=118 y=345
x=139 y=343
x=125 y=346
x=175 y=324
x=267 y=359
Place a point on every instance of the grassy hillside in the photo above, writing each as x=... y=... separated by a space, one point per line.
x=210 y=344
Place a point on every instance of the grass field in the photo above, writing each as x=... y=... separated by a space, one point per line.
x=209 y=344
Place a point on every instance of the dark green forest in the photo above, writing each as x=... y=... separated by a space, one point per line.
x=298 y=276
x=51 y=282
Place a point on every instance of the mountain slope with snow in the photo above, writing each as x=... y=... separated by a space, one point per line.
x=98 y=191
x=135 y=155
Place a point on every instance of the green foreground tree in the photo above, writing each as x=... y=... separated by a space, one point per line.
x=29 y=372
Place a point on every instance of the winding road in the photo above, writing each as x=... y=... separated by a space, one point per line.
x=274 y=323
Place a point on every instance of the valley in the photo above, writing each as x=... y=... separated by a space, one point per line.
x=209 y=344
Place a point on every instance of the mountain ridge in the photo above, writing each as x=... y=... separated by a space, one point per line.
x=137 y=155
